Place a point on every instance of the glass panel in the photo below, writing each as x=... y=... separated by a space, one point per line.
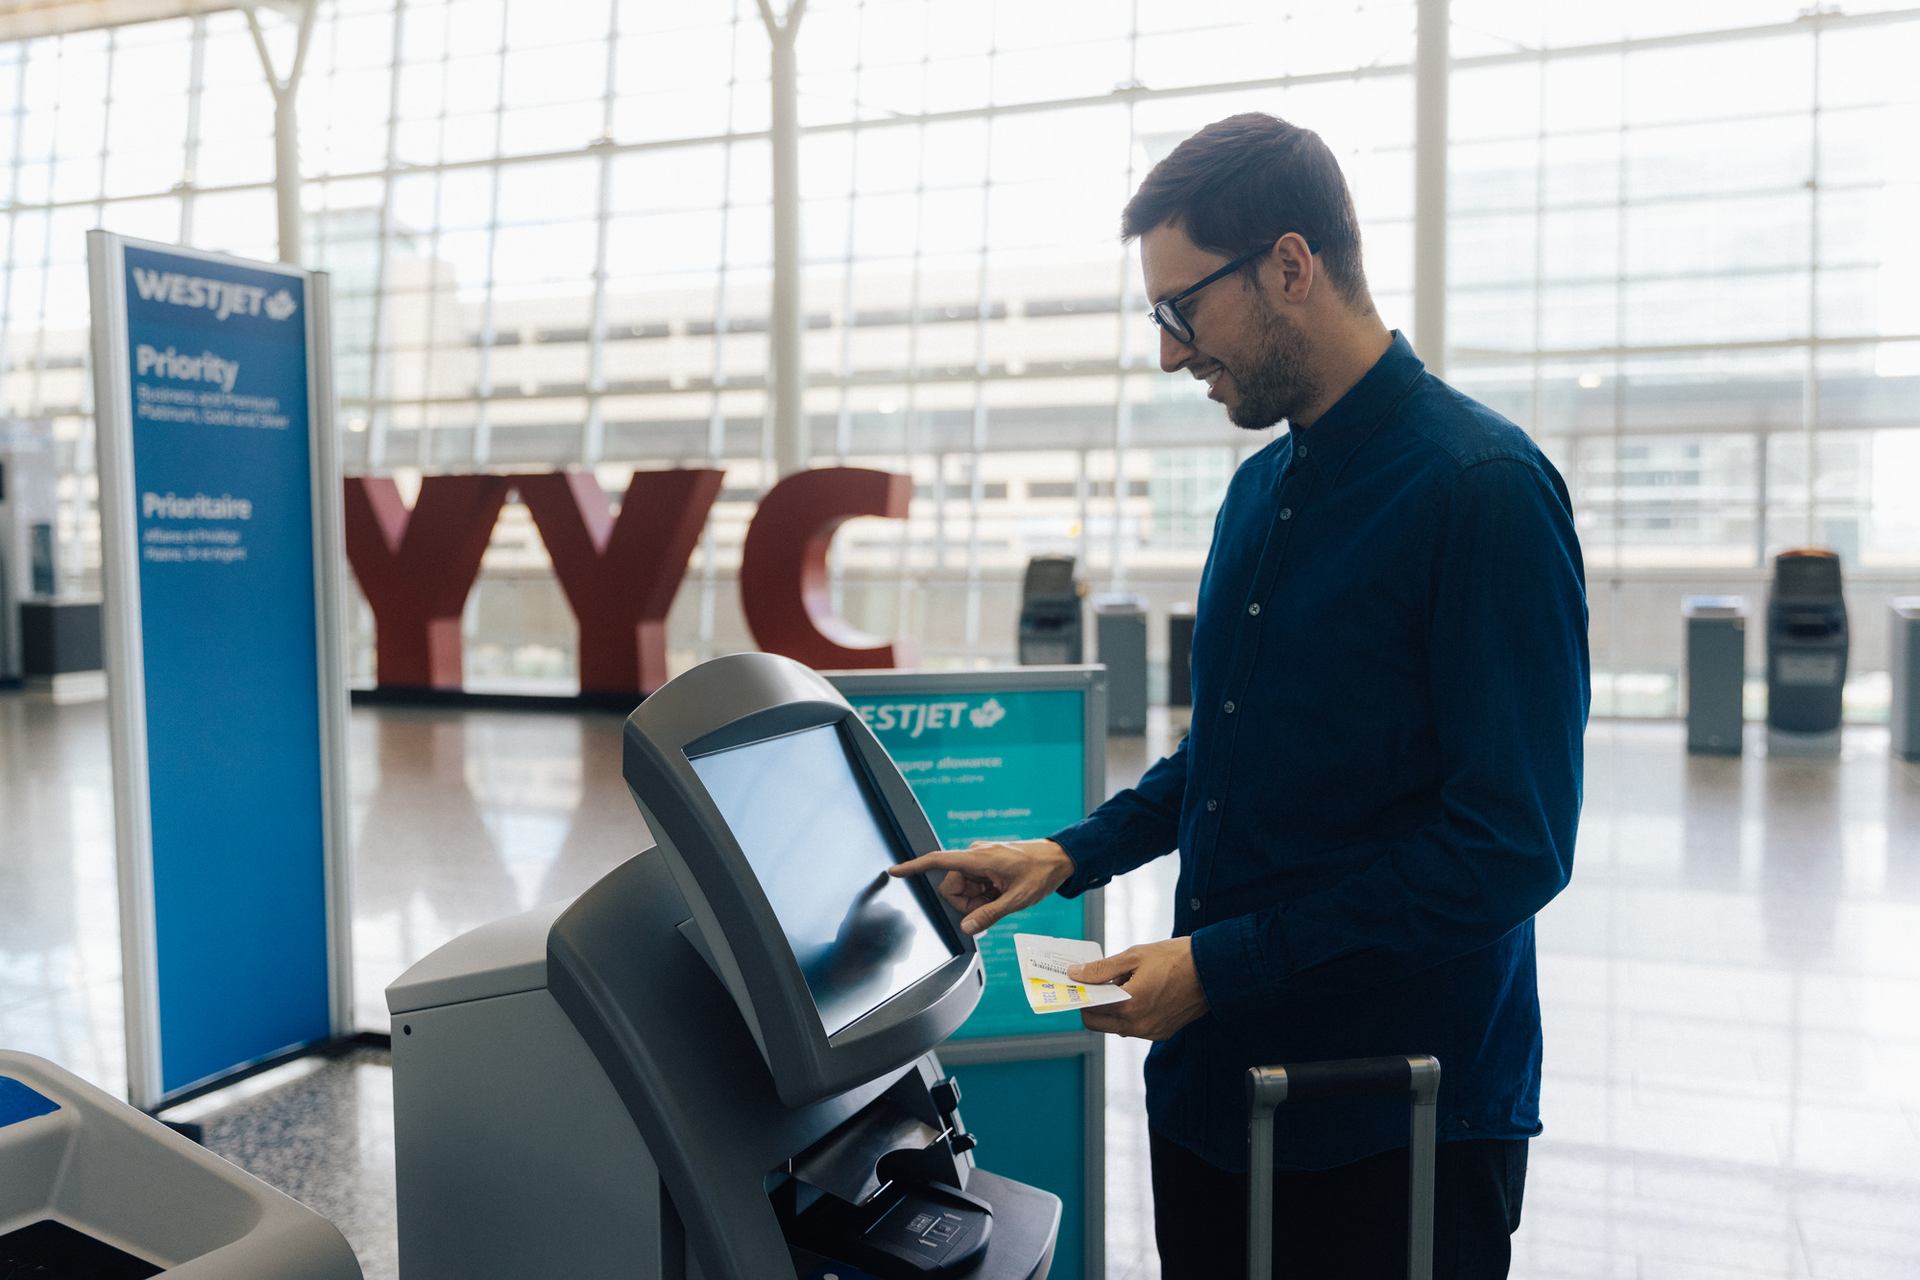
x=1632 y=263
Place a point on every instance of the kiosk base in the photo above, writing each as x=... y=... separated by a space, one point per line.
x=1026 y=1223
x=517 y=1155
x=1805 y=746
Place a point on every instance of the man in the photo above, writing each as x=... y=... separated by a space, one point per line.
x=1382 y=779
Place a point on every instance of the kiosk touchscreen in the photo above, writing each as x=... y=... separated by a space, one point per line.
x=779 y=813
x=820 y=846
x=717 y=1061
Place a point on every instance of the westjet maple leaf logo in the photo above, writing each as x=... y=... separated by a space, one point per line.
x=987 y=714
x=280 y=305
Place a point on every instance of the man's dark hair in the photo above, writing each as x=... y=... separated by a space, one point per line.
x=1248 y=180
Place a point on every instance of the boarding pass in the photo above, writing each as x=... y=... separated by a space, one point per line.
x=1043 y=973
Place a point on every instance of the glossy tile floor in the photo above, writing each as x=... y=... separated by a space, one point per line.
x=1731 y=985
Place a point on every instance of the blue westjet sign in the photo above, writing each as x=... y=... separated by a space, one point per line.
x=225 y=679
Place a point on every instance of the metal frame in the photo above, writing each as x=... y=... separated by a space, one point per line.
x=1091 y=680
x=330 y=619
x=126 y=674
x=1268 y=1087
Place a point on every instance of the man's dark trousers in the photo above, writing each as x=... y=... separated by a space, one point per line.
x=1348 y=1223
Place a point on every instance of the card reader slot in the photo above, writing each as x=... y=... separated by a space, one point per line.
x=846 y=1163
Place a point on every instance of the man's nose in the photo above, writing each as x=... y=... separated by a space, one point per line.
x=1174 y=353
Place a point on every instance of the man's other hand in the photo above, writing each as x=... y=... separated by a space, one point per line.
x=1163 y=985
x=994 y=880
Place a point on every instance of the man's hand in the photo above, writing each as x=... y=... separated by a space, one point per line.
x=990 y=881
x=1164 y=986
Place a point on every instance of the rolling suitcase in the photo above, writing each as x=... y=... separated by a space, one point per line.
x=1417 y=1078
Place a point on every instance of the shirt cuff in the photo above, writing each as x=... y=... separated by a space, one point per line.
x=1234 y=972
x=1082 y=845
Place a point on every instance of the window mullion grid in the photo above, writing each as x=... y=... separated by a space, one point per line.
x=1617 y=488
x=324 y=236
x=13 y=225
x=190 y=158
x=37 y=400
x=106 y=129
x=843 y=420
x=1123 y=334
x=483 y=374
x=379 y=358
x=1536 y=389
x=84 y=439
x=914 y=427
x=593 y=438
x=983 y=311
x=704 y=643
x=1810 y=385
x=425 y=430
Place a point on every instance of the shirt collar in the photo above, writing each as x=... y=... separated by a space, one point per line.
x=1331 y=440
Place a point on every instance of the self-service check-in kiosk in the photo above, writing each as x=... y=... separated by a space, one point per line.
x=1806 y=654
x=1051 y=630
x=91 y=1189
x=28 y=506
x=718 y=1061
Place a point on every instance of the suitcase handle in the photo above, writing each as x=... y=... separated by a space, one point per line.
x=1417 y=1078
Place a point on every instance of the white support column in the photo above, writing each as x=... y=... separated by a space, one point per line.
x=791 y=448
x=593 y=433
x=1430 y=185
x=379 y=411
x=286 y=126
x=1810 y=377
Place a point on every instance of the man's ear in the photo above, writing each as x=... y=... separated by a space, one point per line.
x=1291 y=270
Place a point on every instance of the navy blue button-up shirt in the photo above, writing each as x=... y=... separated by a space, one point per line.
x=1382 y=778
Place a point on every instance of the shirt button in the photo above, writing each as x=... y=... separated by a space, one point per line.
x=1286 y=513
x=1253 y=610
x=1193 y=904
x=1228 y=708
x=1301 y=452
x=1212 y=805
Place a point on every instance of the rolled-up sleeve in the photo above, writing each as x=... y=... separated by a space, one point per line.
x=1508 y=681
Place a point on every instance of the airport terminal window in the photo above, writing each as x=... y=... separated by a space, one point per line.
x=820 y=845
x=572 y=269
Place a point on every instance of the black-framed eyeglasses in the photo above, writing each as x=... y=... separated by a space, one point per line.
x=1166 y=313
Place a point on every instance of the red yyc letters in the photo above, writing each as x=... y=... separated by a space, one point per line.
x=783 y=567
x=417 y=567
x=619 y=574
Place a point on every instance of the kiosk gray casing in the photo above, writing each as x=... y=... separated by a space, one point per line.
x=581 y=1090
x=739 y=700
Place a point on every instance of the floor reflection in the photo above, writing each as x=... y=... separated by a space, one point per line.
x=461 y=818
x=59 y=901
x=1731 y=985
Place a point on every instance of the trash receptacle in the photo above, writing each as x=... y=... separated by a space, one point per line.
x=1716 y=672
x=1120 y=632
x=1180 y=656
x=1806 y=654
x=1903 y=658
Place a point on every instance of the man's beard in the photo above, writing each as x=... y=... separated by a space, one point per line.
x=1277 y=381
